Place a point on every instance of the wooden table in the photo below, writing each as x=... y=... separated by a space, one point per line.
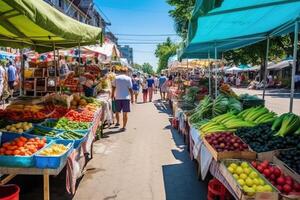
x=12 y=172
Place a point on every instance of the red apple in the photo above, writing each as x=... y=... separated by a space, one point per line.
x=277 y=171
x=272 y=177
x=280 y=180
x=296 y=186
x=266 y=172
x=254 y=164
x=271 y=169
x=264 y=165
x=265 y=162
x=260 y=168
x=287 y=188
x=289 y=182
x=279 y=187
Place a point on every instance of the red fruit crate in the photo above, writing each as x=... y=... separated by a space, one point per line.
x=216 y=190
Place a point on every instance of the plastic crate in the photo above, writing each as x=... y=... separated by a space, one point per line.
x=17 y=161
x=41 y=125
x=9 y=192
x=54 y=162
x=6 y=137
x=77 y=143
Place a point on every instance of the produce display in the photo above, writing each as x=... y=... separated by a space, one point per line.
x=291 y=158
x=226 y=90
x=18 y=127
x=226 y=142
x=191 y=94
x=71 y=135
x=248 y=179
x=262 y=138
x=41 y=132
x=64 y=123
x=79 y=101
x=22 y=146
x=83 y=115
x=275 y=175
x=202 y=111
x=54 y=150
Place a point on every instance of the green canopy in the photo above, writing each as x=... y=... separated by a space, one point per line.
x=36 y=24
x=238 y=23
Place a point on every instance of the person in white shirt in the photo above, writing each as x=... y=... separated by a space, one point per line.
x=122 y=93
x=2 y=78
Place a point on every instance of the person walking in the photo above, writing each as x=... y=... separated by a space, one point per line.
x=150 y=82
x=145 y=90
x=122 y=93
x=2 y=79
x=12 y=74
x=156 y=84
x=162 y=86
x=135 y=86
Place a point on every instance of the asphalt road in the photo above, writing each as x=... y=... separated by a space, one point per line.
x=277 y=100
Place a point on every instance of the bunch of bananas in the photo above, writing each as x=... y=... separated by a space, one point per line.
x=258 y=115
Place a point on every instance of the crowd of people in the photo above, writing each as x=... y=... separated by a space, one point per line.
x=126 y=89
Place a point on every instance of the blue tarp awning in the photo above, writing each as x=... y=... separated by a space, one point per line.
x=239 y=23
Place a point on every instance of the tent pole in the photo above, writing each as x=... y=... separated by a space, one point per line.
x=294 y=65
x=209 y=75
x=266 y=66
x=22 y=82
x=216 y=73
x=55 y=64
x=79 y=53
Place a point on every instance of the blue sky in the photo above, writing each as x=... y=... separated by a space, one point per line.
x=139 y=17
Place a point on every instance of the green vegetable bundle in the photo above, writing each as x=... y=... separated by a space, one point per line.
x=203 y=110
x=286 y=124
x=67 y=124
x=191 y=94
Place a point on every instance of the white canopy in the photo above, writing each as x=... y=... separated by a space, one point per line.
x=281 y=65
x=233 y=70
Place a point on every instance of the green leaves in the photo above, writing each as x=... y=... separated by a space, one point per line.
x=163 y=52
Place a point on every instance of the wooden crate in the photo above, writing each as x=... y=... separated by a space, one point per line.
x=247 y=155
x=238 y=190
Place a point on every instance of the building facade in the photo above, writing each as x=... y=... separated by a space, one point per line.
x=127 y=52
x=81 y=10
x=111 y=37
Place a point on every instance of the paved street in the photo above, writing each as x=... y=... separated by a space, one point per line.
x=148 y=161
x=276 y=100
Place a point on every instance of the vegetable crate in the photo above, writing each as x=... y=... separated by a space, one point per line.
x=237 y=188
x=247 y=155
x=54 y=162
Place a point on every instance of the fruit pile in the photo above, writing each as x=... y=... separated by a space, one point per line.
x=18 y=127
x=262 y=138
x=54 y=150
x=248 y=178
x=84 y=115
x=226 y=142
x=22 y=146
x=291 y=158
x=285 y=184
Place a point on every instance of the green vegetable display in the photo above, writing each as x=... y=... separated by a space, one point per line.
x=202 y=111
x=41 y=132
x=191 y=94
x=66 y=124
x=71 y=135
x=286 y=123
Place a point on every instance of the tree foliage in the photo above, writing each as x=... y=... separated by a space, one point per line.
x=163 y=52
x=181 y=14
x=147 y=68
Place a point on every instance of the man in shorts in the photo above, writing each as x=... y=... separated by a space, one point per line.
x=122 y=93
x=162 y=86
x=11 y=73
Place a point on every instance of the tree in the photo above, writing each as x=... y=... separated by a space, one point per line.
x=163 y=52
x=137 y=66
x=181 y=14
x=147 y=68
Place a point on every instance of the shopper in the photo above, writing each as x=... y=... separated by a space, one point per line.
x=135 y=86
x=145 y=90
x=122 y=93
x=156 y=84
x=12 y=74
x=162 y=86
x=150 y=82
x=2 y=78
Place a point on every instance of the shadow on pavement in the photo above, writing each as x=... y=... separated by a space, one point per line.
x=163 y=107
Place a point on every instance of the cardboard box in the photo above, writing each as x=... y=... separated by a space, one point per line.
x=247 y=155
x=237 y=188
